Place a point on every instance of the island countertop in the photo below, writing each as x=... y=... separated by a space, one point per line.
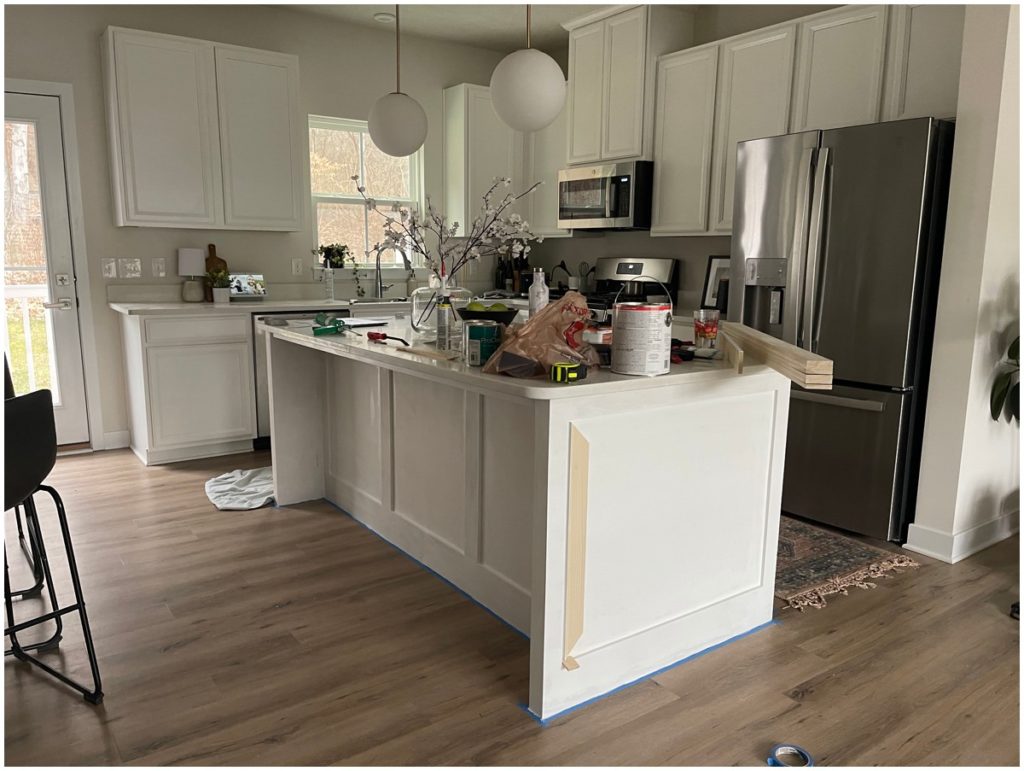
x=598 y=381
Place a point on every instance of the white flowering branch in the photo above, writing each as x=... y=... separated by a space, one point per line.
x=494 y=232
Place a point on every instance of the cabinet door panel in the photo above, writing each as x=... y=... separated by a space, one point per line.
x=754 y=85
x=924 y=61
x=495 y=150
x=586 y=70
x=261 y=139
x=200 y=393
x=625 y=45
x=546 y=157
x=684 y=119
x=839 y=69
x=166 y=157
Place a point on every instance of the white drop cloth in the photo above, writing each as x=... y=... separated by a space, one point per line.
x=242 y=489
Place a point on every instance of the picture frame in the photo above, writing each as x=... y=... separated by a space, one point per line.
x=718 y=268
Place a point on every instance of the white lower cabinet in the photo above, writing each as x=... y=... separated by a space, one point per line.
x=755 y=73
x=190 y=386
x=684 y=116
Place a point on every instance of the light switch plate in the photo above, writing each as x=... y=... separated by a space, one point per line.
x=298 y=268
x=129 y=267
x=109 y=267
x=159 y=265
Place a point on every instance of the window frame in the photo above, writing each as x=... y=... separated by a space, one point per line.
x=416 y=187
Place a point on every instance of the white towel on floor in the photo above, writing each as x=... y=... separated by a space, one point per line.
x=242 y=489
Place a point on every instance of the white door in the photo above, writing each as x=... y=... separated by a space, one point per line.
x=755 y=74
x=625 y=59
x=43 y=345
x=839 y=68
x=586 y=67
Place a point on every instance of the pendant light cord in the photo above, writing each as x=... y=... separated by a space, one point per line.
x=398 y=54
x=529 y=10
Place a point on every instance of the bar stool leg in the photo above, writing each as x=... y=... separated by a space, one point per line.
x=35 y=533
x=31 y=551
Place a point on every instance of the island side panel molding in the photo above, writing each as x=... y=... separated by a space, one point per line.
x=297 y=379
x=576 y=546
x=424 y=433
x=654 y=594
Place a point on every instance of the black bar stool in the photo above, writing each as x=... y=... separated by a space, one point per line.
x=30 y=452
x=28 y=548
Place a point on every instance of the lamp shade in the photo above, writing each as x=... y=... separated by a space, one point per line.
x=527 y=89
x=397 y=124
x=191 y=262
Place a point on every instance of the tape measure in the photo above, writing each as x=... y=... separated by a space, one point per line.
x=567 y=372
x=789 y=755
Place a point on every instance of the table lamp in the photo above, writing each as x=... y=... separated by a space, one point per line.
x=192 y=265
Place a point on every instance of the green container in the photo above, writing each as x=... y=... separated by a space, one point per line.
x=480 y=339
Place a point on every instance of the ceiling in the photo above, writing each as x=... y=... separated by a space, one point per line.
x=498 y=27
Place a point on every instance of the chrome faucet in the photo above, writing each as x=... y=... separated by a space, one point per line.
x=379 y=287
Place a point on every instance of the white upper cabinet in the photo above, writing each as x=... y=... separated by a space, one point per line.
x=923 y=69
x=840 y=61
x=584 y=100
x=625 y=46
x=260 y=139
x=162 y=108
x=612 y=58
x=478 y=148
x=545 y=156
x=203 y=135
x=754 y=78
x=684 y=115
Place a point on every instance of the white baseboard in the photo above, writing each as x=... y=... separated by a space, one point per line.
x=953 y=547
x=113 y=440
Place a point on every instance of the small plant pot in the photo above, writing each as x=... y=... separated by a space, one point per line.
x=221 y=294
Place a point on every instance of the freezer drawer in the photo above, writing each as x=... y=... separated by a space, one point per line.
x=844 y=458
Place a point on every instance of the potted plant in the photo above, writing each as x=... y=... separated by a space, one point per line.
x=1006 y=388
x=220 y=284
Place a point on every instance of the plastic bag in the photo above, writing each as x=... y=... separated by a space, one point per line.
x=555 y=334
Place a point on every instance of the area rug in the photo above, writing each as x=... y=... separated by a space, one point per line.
x=815 y=563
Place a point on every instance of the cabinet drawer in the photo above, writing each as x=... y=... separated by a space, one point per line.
x=175 y=330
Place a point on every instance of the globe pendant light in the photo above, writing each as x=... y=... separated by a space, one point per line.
x=527 y=87
x=397 y=123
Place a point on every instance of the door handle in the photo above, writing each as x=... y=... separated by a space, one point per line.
x=63 y=304
x=814 y=248
x=839 y=401
x=795 y=280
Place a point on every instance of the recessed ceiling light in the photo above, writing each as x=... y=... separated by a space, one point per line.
x=384 y=18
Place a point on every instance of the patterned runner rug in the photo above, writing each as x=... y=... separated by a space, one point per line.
x=814 y=563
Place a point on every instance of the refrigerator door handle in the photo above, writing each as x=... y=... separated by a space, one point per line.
x=814 y=250
x=866 y=405
x=793 y=312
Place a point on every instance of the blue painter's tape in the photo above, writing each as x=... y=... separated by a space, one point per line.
x=655 y=673
x=430 y=570
x=789 y=755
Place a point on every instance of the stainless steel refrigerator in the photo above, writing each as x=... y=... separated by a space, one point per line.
x=836 y=246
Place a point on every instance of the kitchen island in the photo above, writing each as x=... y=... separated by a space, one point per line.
x=621 y=523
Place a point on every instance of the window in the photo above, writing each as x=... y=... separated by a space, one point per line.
x=338 y=150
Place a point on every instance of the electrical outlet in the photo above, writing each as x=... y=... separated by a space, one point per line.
x=298 y=268
x=109 y=267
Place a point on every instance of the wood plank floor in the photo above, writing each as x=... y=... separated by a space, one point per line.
x=296 y=636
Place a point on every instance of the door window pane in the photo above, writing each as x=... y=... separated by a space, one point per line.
x=29 y=345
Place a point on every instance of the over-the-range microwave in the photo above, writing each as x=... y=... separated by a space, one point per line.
x=611 y=196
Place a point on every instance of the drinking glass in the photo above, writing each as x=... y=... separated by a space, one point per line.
x=705 y=327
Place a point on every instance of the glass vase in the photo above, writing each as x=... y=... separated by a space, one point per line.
x=424 y=304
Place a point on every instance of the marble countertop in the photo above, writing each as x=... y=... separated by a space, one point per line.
x=598 y=381
x=250 y=306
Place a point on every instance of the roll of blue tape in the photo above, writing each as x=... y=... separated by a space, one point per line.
x=789 y=755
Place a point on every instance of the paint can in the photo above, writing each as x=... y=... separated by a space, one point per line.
x=480 y=339
x=641 y=338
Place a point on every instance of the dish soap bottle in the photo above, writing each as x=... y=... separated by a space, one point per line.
x=538 y=292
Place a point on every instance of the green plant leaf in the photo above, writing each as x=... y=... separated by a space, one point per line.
x=1014 y=353
x=1014 y=399
x=1000 y=388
